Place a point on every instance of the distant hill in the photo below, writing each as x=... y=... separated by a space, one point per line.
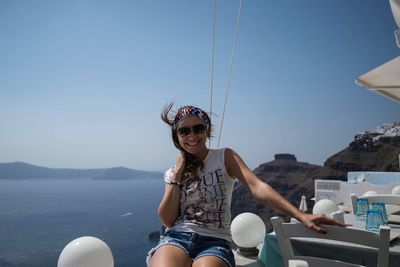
x=376 y=150
x=21 y=170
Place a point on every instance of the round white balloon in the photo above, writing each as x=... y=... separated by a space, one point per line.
x=325 y=206
x=396 y=190
x=248 y=230
x=86 y=251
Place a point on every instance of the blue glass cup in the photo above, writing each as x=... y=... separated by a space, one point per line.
x=374 y=220
x=362 y=207
x=382 y=208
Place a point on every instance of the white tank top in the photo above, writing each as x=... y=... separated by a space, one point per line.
x=205 y=202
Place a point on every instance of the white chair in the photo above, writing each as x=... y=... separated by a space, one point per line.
x=385 y=198
x=285 y=231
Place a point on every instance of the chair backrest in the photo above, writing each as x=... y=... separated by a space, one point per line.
x=285 y=231
x=385 y=198
x=298 y=263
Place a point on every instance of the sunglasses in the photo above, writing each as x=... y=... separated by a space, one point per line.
x=197 y=129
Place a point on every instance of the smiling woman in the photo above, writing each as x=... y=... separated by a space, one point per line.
x=197 y=197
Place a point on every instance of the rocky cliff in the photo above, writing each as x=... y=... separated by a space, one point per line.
x=376 y=150
x=290 y=178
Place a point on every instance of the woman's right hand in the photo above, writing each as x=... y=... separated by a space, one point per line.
x=169 y=207
x=179 y=167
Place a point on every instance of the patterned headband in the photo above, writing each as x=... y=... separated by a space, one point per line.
x=190 y=111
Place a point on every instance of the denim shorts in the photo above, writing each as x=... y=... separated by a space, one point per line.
x=197 y=246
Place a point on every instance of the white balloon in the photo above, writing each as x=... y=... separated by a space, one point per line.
x=396 y=190
x=248 y=230
x=325 y=206
x=86 y=251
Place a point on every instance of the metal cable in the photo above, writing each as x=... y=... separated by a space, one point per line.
x=212 y=65
x=230 y=70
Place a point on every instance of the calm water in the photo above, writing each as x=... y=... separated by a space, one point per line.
x=39 y=217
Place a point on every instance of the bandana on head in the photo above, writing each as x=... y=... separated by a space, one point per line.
x=190 y=111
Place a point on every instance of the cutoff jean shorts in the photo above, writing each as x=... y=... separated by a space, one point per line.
x=196 y=246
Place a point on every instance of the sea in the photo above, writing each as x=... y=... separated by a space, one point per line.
x=39 y=217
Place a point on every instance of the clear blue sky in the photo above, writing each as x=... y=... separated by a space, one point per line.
x=83 y=82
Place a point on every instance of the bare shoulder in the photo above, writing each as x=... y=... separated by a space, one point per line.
x=234 y=164
x=230 y=156
x=229 y=152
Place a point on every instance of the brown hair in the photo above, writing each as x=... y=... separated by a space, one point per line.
x=191 y=163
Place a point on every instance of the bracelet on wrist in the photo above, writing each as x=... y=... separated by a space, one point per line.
x=174 y=183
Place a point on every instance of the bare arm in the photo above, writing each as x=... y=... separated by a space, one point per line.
x=266 y=195
x=168 y=209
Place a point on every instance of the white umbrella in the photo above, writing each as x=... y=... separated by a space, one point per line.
x=384 y=80
x=303 y=204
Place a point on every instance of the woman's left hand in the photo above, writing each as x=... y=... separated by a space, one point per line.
x=313 y=221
